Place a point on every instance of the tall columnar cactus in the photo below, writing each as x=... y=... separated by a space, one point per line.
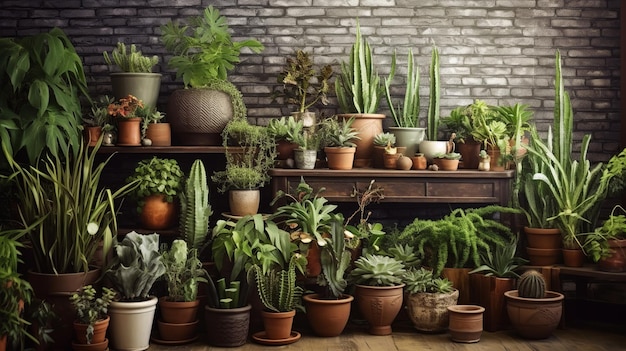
x=434 y=97
x=277 y=288
x=195 y=208
x=531 y=285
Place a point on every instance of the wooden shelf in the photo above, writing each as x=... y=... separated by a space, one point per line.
x=162 y=149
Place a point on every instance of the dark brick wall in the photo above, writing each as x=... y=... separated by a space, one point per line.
x=501 y=51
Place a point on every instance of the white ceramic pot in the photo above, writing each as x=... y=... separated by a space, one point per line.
x=431 y=148
x=410 y=138
x=131 y=324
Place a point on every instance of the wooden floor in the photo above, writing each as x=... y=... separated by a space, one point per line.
x=404 y=338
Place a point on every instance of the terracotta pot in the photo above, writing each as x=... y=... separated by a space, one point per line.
x=543 y=238
x=543 y=257
x=340 y=157
x=378 y=157
x=368 y=125
x=278 y=324
x=160 y=134
x=3 y=343
x=129 y=132
x=573 y=257
x=390 y=161
x=314 y=261
x=100 y=346
x=616 y=262
x=178 y=311
x=131 y=324
x=534 y=318
x=469 y=151
x=157 y=213
x=445 y=164
x=305 y=159
x=490 y=295
x=227 y=327
x=177 y=331
x=56 y=289
x=327 y=317
x=244 y=202
x=460 y=280
x=99 y=331
x=419 y=162
x=284 y=149
x=429 y=311
x=466 y=323
x=379 y=305
x=92 y=134
x=494 y=154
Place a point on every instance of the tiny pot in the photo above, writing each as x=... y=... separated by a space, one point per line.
x=160 y=134
x=391 y=160
x=445 y=164
x=419 y=162
x=466 y=323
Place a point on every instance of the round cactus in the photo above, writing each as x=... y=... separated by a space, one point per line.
x=531 y=285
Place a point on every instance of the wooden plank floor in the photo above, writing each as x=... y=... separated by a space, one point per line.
x=405 y=338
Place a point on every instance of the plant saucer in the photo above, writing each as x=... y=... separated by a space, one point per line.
x=156 y=340
x=262 y=339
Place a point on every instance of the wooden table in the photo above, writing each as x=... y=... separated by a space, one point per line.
x=450 y=187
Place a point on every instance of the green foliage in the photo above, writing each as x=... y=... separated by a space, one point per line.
x=43 y=79
x=277 y=288
x=423 y=280
x=72 y=214
x=91 y=308
x=148 y=115
x=250 y=153
x=531 y=285
x=299 y=86
x=204 y=49
x=130 y=60
x=285 y=128
x=458 y=239
x=156 y=176
x=136 y=265
x=596 y=244
x=405 y=254
x=236 y=99
x=195 y=208
x=233 y=296
x=377 y=270
x=488 y=128
x=501 y=262
x=335 y=260
x=384 y=139
x=406 y=114
x=449 y=156
x=461 y=122
x=434 y=96
x=339 y=133
x=98 y=115
x=617 y=167
x=251 y=241
x=183 y=272
x=358 y=87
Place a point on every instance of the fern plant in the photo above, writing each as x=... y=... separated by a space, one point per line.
x=277 y=288
x=130 y=59
x=458 y=239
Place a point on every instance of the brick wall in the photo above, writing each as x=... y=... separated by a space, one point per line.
x=501 y=51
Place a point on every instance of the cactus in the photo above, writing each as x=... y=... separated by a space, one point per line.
x=195 y=208
x=277 y=288
x=433 y=99
x=531 y=285
x=130 y=60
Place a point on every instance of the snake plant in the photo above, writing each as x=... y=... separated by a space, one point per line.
x=406 y=115
x=434 y=97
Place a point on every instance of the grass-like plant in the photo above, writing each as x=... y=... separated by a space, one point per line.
x=405 y=114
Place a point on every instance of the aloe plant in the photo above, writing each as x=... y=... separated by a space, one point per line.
x=195 y=208
x=406 y=114
x=335 y=259
x=433 y=97
x=358 y=87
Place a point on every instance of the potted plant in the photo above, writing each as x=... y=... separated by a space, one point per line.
x=428 y=298
x=280 y=296
x=378 y=281
x=452 y=245
x=136 y=77
x=92 y=320
x=448 y=161
x=250 y=153
x=303 y=86
x=97 y=120
x=202 y=54
x=339 y=145
x=183 y=271
x=606 y=244
x=534 y=312
x=309 y=143
x=22 y=119
x=381 y=141
x=136 y=265
x=124 y=113
x=461 y=122
x=154 y=132
x=492 y=132
x=64 y=247
x=308 y=216
x=227 y=306
x=358 y=91
x=407 y=131
x=328 y=312
x=159 y=181
x=498 y=274
x=286 y=131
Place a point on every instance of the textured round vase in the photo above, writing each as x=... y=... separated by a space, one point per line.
x=534 y=318
x=379 y=305
x=429 y=311
x=305 y=159
x=327 y=317
x=227 y=327
x=466 y=323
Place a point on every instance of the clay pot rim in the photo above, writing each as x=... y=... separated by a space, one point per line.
x=316 y=298
x=551 y=296
x=466 y=309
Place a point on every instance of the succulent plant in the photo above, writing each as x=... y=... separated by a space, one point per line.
x=384 y=139
x=423 y=281
x=531 y=285
x=377 y=270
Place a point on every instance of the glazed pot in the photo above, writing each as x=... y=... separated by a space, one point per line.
x=409 y=138
x=131 y=324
